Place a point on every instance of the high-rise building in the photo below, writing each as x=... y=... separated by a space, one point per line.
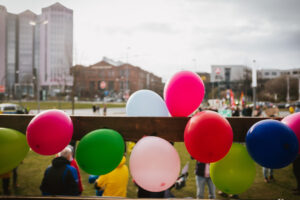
x=25 y=53
x=36 y=48
x=56 y=45
x=3 y=13
x=11 y=52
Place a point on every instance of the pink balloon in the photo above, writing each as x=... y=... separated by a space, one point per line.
x=184 y=93
x=154 y=164
x=49 y=132
x=293 y=121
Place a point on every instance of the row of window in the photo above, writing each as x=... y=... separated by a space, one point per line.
x=282 y=73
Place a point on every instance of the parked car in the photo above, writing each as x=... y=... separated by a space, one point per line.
x=283 y=105
x=8 y=108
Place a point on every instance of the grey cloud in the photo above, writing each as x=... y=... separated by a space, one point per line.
x=156 y=27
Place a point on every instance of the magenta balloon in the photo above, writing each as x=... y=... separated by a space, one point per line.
x=293 y=121
x=49 y=132
x=154 y=164
x=184 y=93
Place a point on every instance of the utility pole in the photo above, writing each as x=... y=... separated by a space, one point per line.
x=298 y=88
x=288 y=89
x=254 y=83
x=37 y=74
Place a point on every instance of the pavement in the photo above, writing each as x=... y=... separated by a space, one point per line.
x=89 y=112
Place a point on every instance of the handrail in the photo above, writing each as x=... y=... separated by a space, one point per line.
x=134 y=128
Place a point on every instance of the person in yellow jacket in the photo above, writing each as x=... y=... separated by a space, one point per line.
x=291 y=109
x=115 y=182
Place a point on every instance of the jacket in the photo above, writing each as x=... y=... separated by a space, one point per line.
x=60 y=178
x=74 y=164
x=115 y=182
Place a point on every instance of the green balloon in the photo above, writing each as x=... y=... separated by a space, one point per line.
x=235 y=173
x=100 y=151
x=13 y=149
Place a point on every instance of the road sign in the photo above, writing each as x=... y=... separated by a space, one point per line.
x=218 y=70
x=103 y=84
x=2 y=88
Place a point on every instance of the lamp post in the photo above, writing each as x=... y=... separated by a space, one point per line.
x=288 y=89
x=33 y=24
x=254 y=83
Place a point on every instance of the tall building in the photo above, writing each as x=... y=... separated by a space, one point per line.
x=56 y=48
x=36 y=45
x=25 y=53
x=2 y=49
x=11 y=53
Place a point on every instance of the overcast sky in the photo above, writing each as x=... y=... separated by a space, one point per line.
x=165 y=36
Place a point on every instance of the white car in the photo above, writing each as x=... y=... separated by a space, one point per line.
x=9 y=108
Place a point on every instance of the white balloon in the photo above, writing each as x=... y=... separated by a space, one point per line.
x=146 y=103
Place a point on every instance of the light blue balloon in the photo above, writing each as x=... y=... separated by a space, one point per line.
x=146 y=103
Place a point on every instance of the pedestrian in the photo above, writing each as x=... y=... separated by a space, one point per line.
x=268 y=174
x=94 y=108
x=104 y=109
x=147 y=194
x=247 y=111
x=68 y=154
x=92 y=179
x=257 y=112
x=296 y=170
x=98 y=109
x=60 y=178
x=5 y=183
x=202 y=177
x=114 y=183
x=291 y=109
x=236 y=112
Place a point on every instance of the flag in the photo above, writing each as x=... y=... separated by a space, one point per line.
x=232 y=98
x=242 y=99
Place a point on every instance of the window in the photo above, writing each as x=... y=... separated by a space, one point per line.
x=227 y=74
x=266 y=73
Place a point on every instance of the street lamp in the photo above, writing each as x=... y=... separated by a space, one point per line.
x=33 y=24
x=254 y=83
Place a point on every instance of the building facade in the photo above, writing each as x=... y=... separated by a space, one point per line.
x=115 y=79
x=36 y=48
x=275 y=73
x=11 y=53
x=229 y=73
x=234 y=77
x=3 y=14
x=56 y=48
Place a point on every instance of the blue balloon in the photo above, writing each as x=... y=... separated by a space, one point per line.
x=146 y=103
x=272 y=144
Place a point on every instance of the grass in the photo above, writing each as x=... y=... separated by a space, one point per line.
x=30 y=174
x=64 y=105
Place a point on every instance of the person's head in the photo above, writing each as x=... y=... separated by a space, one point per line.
x=66 y=153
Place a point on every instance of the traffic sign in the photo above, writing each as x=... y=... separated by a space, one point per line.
x=218 y=70
x=2 y=88
x=103 y=84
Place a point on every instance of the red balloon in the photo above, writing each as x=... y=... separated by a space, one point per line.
x=208 y=136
